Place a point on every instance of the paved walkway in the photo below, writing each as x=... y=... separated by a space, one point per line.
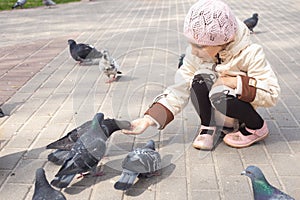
x=45 y=94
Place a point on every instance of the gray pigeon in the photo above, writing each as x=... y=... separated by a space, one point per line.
x=43 y=190
x=251 y=22
x=66 y=142
x=109 y=66
x=19 y=3
x=142 y=162
x=84 y=53
x=85 y=154
x=49 y=3
x=262 y=189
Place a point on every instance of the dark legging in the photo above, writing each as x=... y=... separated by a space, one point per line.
x=226 y=104
x=201 y=86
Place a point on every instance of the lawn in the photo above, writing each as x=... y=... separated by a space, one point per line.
x=7 y=4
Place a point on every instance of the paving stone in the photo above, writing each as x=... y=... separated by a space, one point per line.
x=9 y=189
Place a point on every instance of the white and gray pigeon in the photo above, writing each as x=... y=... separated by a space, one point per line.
x=262 y=189
x=85 y=54
x=142 y=162
x=109 y=66
x=251 y=22
x=85 y=154
x=43 y=190
x=49 y=3
x=19 y=3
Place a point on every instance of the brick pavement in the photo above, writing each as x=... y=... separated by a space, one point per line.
x=45 y=93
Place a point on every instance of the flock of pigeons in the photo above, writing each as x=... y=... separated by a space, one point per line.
x=21 y=3
x=87 y=54
x=80 y=151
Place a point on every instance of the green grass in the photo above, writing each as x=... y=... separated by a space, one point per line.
x=7 y=4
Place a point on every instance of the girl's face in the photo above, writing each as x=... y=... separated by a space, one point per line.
x=206 y=53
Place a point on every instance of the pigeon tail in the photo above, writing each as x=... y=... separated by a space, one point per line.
x=62 y=181
x=58 y=157
x=78 y=164
x=126 y=180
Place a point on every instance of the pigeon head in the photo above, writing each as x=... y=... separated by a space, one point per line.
x=123 y=124
x=105 y=54
x=100 y=118
x=40 y=177
x=150 y=145
x=255 y=15
x=254 y=173
x=70 y=42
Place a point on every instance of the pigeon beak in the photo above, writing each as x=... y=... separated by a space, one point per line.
x=243 y=172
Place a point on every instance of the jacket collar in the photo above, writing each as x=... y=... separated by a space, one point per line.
x=240 y=42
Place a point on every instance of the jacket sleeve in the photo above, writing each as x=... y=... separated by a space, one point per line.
x=265 y=80
x=176 y=96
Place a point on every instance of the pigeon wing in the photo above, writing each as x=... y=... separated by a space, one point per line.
x=66 y=142
x=142 y=161
x=83 y=50
x=58 y=157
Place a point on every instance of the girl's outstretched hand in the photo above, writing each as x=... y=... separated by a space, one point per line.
x=138 y=126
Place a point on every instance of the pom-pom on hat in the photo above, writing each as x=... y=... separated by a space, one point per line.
x=210 y=23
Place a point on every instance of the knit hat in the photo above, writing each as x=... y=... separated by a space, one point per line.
x=210 y=23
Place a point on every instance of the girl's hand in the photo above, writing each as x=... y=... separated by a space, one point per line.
x=138 y=126
x=230 y=81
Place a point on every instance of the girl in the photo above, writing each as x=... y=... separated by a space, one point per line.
x=222 y=72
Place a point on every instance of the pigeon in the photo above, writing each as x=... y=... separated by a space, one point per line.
x=251 y=22
x=43 y=190
x=1 y=113
x=109 y=66
x=19 y=3
x=84 y=53
x=66 y=142
x=141 y=162
x=180 y=63
x=85 y=154
x=261 y=187
x=49 y=3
